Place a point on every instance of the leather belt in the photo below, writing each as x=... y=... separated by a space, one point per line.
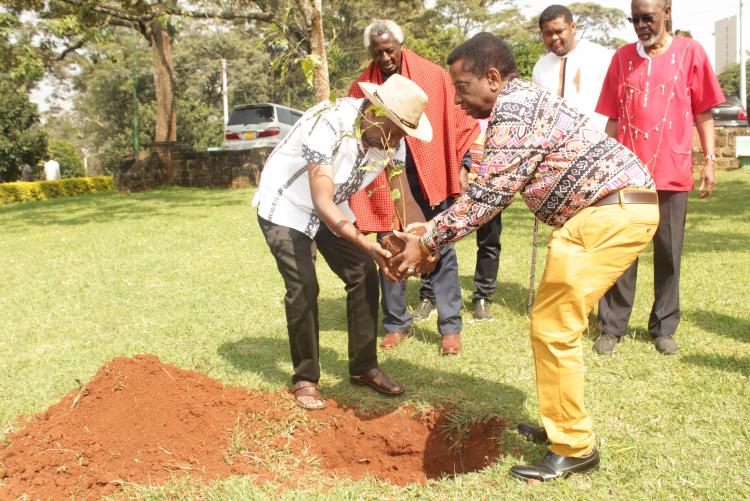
x=628 y=197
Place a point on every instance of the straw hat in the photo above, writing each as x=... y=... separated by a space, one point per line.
x=403 y=102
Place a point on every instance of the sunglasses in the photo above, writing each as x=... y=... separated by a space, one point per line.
x=646 y=18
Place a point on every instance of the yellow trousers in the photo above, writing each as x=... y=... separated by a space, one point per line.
x=584 y=259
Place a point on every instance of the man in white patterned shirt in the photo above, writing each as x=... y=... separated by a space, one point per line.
x=333 y=151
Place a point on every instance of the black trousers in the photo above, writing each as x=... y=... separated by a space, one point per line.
x=295 y=258
x=617 y=304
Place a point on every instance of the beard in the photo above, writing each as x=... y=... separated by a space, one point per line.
x=655 y=37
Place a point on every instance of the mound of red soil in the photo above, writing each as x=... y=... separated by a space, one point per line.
x=141 y=422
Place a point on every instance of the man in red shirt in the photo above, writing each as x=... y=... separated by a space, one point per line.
x=654 y=91
x=433 y=174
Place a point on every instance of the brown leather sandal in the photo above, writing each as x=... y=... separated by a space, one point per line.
x=376 y=379
x=307 y=396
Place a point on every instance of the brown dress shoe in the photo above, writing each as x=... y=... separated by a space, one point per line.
x=393 y=339
x=451 y=344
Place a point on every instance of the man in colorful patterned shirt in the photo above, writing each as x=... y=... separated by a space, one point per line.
x=654 y=91
x=595 y=193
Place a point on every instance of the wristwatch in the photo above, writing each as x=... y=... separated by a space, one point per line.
x=710 y=156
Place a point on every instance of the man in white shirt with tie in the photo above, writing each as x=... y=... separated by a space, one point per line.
x=573 y=69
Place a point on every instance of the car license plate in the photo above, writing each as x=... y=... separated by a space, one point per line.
x=249 y=135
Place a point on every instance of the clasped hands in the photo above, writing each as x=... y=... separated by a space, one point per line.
x=402 y=256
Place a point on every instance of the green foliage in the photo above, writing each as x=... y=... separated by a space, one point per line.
x=527 y=54
x=522 y=35
x=44 y=190
x=104 y=99
x=21 y=138
x=729 y=79
x=70 y=162
x=265 y=61
x=597 y=23
x=308 y=64
x=471 y=16
x=20 y=59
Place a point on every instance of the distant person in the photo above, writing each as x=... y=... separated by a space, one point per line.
x=655 y=90
x=573 y=69
x=27 y=174
x=433 y=173
x=333 y=151
x=52 y=169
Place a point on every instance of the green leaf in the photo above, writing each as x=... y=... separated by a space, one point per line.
x=309 y=64
x=378 y=111
x=395 y=194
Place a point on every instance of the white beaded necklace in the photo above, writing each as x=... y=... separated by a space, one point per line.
x=630 y=90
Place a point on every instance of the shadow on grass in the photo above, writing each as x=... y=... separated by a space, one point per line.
x=725 y=325
x=508 y=294
x=720 y=362
x=111 y=206
x=441 y=388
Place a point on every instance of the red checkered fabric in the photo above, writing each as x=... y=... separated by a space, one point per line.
x=438 y=162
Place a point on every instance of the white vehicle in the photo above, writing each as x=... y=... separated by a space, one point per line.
x=258 y=125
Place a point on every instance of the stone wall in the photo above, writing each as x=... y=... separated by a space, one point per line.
x=174 y=164
x=724 y=147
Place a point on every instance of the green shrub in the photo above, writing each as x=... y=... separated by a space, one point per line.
x=103 y=183
x=43 y=190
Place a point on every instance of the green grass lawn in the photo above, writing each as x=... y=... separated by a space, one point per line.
x=186 y=275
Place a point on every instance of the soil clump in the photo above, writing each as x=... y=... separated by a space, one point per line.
x=139 y=421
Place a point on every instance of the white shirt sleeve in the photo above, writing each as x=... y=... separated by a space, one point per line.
x=535 y=74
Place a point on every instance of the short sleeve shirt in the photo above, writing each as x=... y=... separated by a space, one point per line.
x=325 y=135
x=655 y=100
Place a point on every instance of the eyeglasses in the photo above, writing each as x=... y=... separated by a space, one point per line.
x=646 y=18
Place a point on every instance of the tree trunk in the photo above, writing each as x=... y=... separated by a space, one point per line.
x=164 y=82
x=313 y=12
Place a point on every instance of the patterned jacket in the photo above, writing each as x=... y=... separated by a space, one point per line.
x=552 y=154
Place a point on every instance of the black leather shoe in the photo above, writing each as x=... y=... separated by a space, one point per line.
x=552 y=467
x=533 y=433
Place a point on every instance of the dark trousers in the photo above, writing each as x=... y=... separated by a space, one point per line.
x=617 y=304
x=444 y=279
x=487 y=266
x=295 y=258
x=447 y=289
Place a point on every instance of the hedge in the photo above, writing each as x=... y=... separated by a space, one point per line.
x=43 y=190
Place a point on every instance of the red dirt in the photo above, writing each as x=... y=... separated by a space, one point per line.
x=140 y=421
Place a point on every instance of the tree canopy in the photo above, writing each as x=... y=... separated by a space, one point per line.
x=162 y=61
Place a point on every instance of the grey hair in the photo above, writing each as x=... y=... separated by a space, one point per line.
x=380 y=27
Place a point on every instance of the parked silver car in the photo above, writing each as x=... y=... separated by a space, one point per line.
x=258 y=125
x=730 y=114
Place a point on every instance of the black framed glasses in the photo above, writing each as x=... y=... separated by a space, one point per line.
x=646 y=18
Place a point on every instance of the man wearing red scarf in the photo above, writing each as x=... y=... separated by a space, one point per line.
x=433 y=172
